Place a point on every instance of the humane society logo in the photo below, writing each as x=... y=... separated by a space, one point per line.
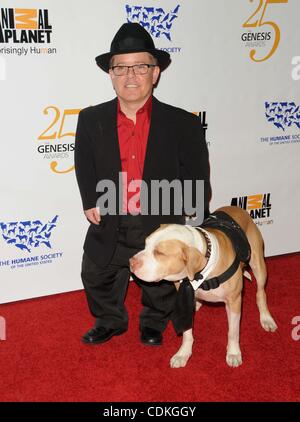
x=156 y=21
x=285 y=117
x=28 y=236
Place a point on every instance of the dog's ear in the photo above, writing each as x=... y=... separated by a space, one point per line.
x=194 y=260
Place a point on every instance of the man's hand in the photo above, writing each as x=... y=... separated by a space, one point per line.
x=93 y=215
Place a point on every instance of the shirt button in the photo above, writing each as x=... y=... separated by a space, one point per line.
x=133 y=157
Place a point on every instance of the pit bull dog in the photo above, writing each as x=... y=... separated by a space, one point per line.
x=212 y=262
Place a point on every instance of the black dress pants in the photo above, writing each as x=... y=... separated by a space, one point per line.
x=106 y=288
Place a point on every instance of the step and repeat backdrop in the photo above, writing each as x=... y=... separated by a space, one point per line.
x=235 y=64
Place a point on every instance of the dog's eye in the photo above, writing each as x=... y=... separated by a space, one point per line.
x=159 y=253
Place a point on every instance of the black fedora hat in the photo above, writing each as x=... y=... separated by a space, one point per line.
x=132 y=38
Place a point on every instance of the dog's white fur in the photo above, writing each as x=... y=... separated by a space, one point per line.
x=174 y=252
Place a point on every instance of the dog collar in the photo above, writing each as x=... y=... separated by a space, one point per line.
x=212 y=254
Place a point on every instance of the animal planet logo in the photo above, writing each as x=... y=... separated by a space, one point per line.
x=258 y=206
x=26 y=235
x=25 y=26
x=202 y=118
x=155 y=20
x=283 y=115
x=262 y=32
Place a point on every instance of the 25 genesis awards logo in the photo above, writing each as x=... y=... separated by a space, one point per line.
x=263 y=33
x=57 y=142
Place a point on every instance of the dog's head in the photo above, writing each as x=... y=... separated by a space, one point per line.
x=169 y=254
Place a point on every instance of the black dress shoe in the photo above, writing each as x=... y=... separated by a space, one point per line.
x=98 y=335
x=151 y=337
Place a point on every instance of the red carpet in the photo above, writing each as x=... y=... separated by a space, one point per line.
x=43 y=359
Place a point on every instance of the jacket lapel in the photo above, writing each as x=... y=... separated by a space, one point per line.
x=153 y=144
x=108 y=126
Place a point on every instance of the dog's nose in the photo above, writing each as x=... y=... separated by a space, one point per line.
x=134 y=263
x=131 y=263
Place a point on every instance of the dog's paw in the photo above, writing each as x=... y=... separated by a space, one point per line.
x=179 y=361
x=234 y=360
x=268 y=323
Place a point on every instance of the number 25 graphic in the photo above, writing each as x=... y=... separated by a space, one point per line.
x=60 y=134
x=259 y=23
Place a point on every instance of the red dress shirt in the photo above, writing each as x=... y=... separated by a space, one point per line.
x=133 y=143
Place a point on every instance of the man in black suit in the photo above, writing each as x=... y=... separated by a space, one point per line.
x=145 y=140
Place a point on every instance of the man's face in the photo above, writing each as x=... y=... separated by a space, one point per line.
x=131 y=87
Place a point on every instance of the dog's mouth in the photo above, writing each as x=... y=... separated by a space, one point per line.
x=142 y=277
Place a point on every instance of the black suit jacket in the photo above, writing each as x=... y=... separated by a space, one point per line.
x=176 y=149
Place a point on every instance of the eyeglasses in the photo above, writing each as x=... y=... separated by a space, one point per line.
x=138 y=69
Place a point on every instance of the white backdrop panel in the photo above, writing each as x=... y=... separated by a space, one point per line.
x=42 y=224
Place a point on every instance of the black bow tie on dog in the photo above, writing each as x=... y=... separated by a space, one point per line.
x=182 y=316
